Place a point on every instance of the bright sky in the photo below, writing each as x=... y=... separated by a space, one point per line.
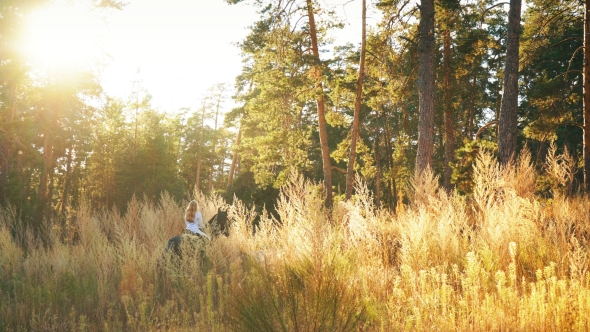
x=180 y=47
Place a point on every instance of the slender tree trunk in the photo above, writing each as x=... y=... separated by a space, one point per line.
x=6 y=147
x=391 y=183
x=50 y=188
x=108 y=186
x=587 y=95
x=136 y=125
x=357 y=107
x=111 y=161
x=509 y=108
x=426 y=86
x=378 y=166
x=198 y=182
x=154 y=166
x=449 y=130
x=4 y=169
x=322 y=125
x=214 y=142
x=211 y=170
x=67 y=183
x=199 y=159
x=233 y=169
x=404 y=132
x=43 y=192
x=234 y=160
x=222 y=168
x=214 y=146
x=469 y=128
x=498 y=102
x=471 y=115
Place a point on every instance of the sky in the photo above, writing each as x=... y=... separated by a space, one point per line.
x=176 y=49
x=179 y=47
x=182 y=47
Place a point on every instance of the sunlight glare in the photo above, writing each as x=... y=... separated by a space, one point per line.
x=60 y=37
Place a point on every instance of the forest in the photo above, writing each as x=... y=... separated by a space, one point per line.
x=433 y=175
x=63 y=140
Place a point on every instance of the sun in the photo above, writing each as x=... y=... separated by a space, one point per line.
x=60 y=37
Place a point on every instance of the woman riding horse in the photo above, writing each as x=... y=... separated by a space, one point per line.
x=194 y=222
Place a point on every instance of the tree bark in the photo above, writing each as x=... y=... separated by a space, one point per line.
x=199 y=159
x=4 y=169
x=67 y=183
x=508 y=121
x=215 y=139
x=43 y=199
x=322 y=125
x=357 y=106
x=391 y=187
x=426 y=87
x=198 y=181
x=587 y=95
x=378 y=166
x=7 y=143
x=449 y=130
x=234 y=160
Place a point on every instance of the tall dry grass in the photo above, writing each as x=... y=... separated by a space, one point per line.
x=500 y=259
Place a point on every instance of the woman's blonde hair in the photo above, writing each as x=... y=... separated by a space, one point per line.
x=191 y=211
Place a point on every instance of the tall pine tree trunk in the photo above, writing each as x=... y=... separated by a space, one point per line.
x=448 y=116
x=198 y=182
x=8 y=142
x=44 y=199
x=587 y=95
x=234 y=160
x=357 y=107
x=391 y=185
x=426 y=87
x=214 y=141
x=4 y=168
x=471 y=115
x=322 y=125
x=199 y=159
x=508 y=121
x=378 y=167
x=67 y=183
x=43 y=180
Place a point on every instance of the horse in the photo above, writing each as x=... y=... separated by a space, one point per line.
x=220 y=223
x=219 y=226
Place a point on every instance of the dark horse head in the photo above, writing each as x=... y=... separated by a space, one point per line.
x=219 y=223
x=219 y=226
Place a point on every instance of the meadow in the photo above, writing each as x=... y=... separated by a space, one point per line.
x=502 y=258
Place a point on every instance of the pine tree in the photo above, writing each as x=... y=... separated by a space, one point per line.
x=508 y=121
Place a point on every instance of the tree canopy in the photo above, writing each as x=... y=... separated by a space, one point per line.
x=64 y=140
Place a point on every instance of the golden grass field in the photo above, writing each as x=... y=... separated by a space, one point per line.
x=499 y=259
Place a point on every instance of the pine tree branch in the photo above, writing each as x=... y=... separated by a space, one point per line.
x=483 y=128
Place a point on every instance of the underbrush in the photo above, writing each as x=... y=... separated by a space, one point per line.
x=498 y=259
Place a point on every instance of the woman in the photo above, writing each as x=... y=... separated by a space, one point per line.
x=194 y=220
x=192 y=233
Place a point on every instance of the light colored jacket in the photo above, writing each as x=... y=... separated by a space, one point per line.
x=196 y=225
